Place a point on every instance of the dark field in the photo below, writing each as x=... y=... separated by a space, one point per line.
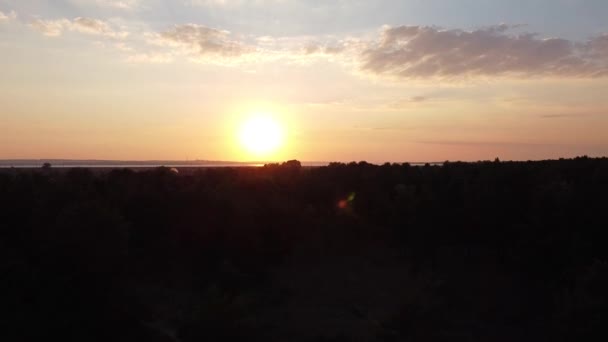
x=488 y=251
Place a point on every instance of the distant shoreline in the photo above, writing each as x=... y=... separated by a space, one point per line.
x=127 y=166
x=73 y=163
x=34 y=163
x=96 y=162
x=146 y=164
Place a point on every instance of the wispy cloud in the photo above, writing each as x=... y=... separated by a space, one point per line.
x=54 y=28
x=414 y=101
x=401 y=53
x=234 y=3
x=12 y=15
x=126 y=5
x=51 y=28
x=486 y=143
x=119 y=4
x=559 y=116
x=418 y=99
x=150 y=58
x=201 y=40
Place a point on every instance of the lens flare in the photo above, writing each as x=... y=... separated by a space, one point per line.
x=348 y=202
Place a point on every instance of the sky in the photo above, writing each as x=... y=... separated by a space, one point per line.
x=374 y=80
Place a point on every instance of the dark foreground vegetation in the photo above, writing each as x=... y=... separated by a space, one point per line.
x=489 y=251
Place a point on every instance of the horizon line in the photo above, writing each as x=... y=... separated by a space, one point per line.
x=208 y=161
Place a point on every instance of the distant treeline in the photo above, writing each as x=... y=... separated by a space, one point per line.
x=92 y=163
x=492 y=251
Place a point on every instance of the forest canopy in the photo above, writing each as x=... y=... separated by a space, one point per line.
x=493 y=251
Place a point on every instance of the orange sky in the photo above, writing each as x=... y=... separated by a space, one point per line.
x=121 y=80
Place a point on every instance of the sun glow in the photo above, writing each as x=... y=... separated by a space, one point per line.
x=261 y=136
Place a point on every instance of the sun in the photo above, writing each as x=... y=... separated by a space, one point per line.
x=261 y=135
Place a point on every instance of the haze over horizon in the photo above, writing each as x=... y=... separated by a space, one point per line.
x=311 y=80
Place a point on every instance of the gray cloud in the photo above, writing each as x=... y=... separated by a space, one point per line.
x=428 y=52
x=597 y=48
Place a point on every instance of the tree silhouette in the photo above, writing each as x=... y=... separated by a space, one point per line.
x=485 y=251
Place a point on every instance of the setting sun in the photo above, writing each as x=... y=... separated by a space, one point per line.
x=261 y=136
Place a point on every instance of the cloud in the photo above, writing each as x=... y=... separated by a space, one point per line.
x=198 y=42
x=417 y=99
x=411 y=52
x=234 y=3
x=54 y=28
x=51 y=28
x=119 y=4
x=597 y=47
x=203 y=41
x=409 y=102
x=323 y=49
x=559 y=116
x=12 y=15
x=125 y=5
x=94 y=26
x=402 y=52
x=485 y=143
x=150 y=58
